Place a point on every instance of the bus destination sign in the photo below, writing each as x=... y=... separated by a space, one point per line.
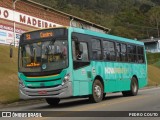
x=38 y=35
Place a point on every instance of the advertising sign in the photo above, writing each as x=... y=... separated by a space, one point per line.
x=25 y=19
x=6 y=31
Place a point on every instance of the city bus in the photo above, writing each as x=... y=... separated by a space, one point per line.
x=66 y=62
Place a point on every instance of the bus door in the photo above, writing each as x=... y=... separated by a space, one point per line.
x=81 y=69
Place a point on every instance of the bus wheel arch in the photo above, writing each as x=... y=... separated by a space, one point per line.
x=133 y=87
x=97 y=90
x=98 y=77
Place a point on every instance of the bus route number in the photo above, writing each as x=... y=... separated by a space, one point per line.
x=28 y=36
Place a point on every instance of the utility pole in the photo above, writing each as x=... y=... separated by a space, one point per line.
x=14 y=23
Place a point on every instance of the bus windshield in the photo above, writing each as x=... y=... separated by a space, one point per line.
x=43 y=55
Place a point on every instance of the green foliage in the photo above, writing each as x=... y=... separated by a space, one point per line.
x=153 y=58
x=127 y=18
x=154 y=18
x=157 y=64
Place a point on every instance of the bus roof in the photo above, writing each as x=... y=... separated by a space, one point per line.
x=39 y=29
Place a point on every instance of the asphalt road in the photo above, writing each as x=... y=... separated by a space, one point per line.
x=146 y=100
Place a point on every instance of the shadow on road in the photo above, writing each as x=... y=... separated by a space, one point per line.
x=68 y=103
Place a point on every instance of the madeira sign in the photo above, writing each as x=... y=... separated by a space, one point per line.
x=18 y=17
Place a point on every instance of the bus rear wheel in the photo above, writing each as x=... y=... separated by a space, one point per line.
x=134 y=88
x=53 y=101
x=97 y=92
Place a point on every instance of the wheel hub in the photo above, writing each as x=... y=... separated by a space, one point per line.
x=97 y=90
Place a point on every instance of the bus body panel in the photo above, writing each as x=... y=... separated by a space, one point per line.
x=116 y=75
x=113 y=82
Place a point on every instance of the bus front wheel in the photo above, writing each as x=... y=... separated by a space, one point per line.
x=133 y=88
x=97 y=92
x=53 y=101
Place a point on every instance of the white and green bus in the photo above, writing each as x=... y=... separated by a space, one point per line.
x=66 y=62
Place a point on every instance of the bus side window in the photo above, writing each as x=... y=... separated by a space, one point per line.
x=140 y=54
x=129 y=50
x=132 y=56
x=85 y=51
x=118 y=51
x=124 y=52
x=96 y=49
x=77 y=54
x=109 y=50
x=106 y=50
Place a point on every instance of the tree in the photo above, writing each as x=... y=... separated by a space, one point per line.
x=154 y=18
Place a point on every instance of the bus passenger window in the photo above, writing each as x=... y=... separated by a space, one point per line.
x=124 y=52
x=140 y=52
x=118 y=52
x=132 y=56
x=76 y=52
x=85 y=51
x=96 y=50
x=109 y=50
x=80 y=54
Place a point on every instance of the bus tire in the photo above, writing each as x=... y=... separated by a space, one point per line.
x=53 y=101
x=133 y=88
x=104 y=95
x=97 y=92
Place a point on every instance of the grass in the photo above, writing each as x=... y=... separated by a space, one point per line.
x=152 y=58
x=9 y=80
x=157 y=64
x=8 y=75
x=153 y=76
x=153 y=68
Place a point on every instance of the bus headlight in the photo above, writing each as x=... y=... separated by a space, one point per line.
x=66 y=79
x=21 y=83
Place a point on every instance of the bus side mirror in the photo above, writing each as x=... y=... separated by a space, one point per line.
x=11 y=51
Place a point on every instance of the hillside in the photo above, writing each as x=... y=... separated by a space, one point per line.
x=157 y=64
x=128 y=18
x=153 y=75
x=154 y=59
x=9 y=79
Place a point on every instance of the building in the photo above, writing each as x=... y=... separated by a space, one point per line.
x=19 y=16
x=152 y=45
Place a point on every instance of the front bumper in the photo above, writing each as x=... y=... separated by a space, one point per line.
x=60 y=91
